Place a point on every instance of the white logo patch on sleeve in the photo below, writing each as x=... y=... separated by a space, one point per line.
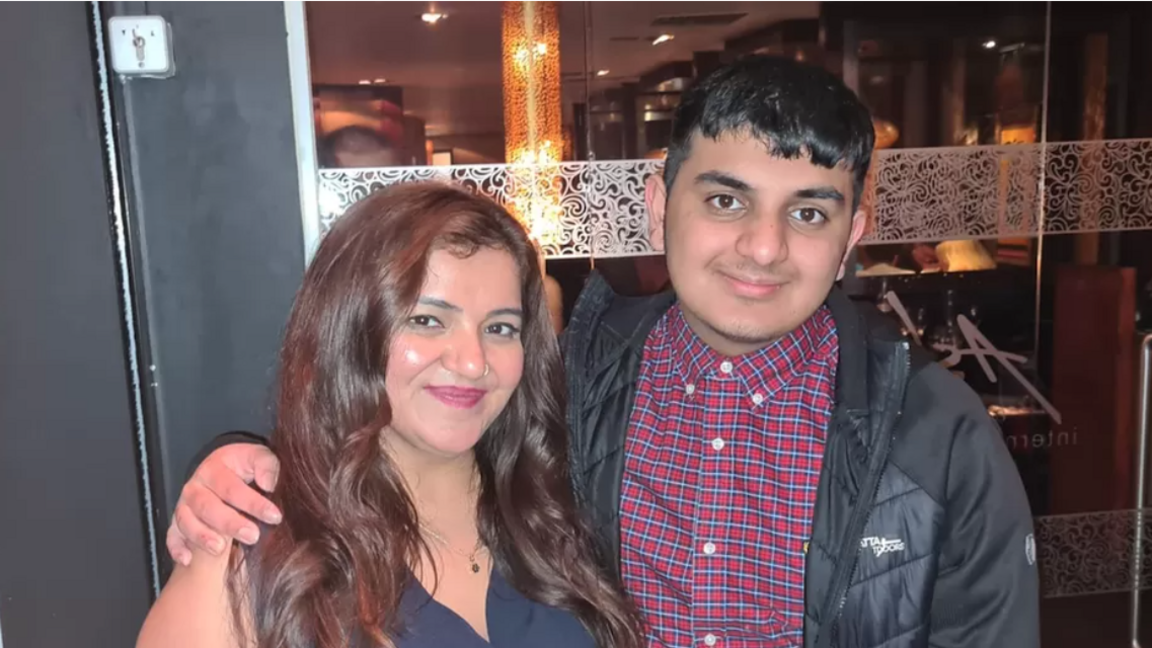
x=881 y=546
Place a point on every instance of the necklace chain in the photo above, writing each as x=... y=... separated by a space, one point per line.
x=470 y=557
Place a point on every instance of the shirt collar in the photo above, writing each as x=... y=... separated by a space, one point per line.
x=763 y=371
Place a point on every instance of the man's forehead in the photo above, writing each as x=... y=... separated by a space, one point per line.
x=756 y=162
x=744 y=140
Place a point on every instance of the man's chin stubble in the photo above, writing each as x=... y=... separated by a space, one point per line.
x=744 y=338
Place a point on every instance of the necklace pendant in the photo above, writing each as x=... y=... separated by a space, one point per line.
x=475 y=568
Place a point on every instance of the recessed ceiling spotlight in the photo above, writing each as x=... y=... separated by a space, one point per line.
x=380 y=80
x=989 y=44
x=662 y=38
x=365 y=82
x=432 y=17
x=601 y=73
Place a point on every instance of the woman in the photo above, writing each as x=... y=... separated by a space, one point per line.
x=424 y=479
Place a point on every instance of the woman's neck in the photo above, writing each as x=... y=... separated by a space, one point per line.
x=444 y=490
x=446 y=497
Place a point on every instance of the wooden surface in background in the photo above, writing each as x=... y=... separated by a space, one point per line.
x=1093 y=384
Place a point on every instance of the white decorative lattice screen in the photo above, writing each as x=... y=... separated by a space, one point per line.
x=917 y=194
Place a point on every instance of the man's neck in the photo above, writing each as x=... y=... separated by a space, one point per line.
x=720 y=343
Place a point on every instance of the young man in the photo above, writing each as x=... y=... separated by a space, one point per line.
x=765 y=465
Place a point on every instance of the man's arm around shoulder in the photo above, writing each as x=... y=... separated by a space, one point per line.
x=220 y=491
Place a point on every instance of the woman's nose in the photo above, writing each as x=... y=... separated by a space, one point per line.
x=465 y=357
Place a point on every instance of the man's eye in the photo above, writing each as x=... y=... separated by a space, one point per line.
x=725 y=202
x=808 y=216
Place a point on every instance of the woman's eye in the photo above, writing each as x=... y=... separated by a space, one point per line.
x=725 y=202
x=423 y=321
x=502 y=329
x=808 y=216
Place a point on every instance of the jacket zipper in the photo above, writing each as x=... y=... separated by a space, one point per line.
x=860 y=516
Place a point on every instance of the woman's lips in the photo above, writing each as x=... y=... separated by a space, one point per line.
x=458 y=397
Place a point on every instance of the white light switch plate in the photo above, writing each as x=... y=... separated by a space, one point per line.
x=140 y=46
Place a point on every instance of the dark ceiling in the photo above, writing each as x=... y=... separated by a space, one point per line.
x=451 y=71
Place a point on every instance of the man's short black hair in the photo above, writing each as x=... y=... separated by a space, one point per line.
x=796 y=110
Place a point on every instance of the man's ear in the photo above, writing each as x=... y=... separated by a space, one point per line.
x=859 y=221
x=656 y=198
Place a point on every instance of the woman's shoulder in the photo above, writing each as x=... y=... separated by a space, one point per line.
x=195 y=608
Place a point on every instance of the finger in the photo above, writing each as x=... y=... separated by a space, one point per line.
x=177 y=546
x=195 y=532
x=219 y=517
x=267 y=470
x=249 y=462
x=239 y=458
x=237 y=493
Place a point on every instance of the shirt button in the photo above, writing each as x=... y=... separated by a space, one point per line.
x=709 y=639
x=709 y=549
x=717 y=443
x=757 y=398
x=726 y=367
x=689 y=389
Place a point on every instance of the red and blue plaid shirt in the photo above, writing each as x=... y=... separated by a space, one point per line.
x=722 y=460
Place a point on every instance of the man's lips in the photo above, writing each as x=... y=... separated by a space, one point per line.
x=753 y=288
x=458 y=397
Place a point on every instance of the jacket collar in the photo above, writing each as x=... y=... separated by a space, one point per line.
x=622 y=324
x=617 y=323
x=629 y=320
x=852 y=369
x=632 y=318
x=607 y=333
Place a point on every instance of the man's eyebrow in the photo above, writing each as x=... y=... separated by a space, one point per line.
x=724 y=180
x=821 y=193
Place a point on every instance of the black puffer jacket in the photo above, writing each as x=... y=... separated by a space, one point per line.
x=922 y=534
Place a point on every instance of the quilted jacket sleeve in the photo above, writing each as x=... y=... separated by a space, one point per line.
x=987 y=593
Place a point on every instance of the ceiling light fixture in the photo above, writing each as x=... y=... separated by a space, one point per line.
x=601 y=73
x=662 y=38
x=381 y=80
x=989 y=44
x=432 y=17
x=365 y=82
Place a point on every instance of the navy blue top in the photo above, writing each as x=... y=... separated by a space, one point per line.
x=513 y=622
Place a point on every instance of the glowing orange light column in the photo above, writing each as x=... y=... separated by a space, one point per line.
x=533 y=133
x=532 y=122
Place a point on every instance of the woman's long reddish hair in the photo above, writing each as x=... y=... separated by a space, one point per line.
x=333 y=572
